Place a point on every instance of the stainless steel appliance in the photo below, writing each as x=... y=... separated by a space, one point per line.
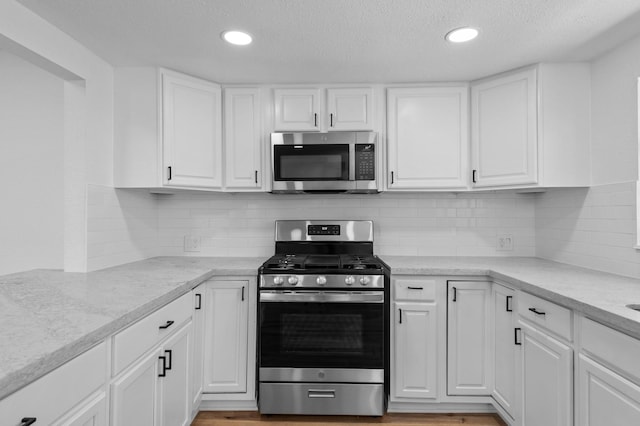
x=323 y=321
x=324 y=162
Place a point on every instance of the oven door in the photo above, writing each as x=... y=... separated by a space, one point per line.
x=320 y=332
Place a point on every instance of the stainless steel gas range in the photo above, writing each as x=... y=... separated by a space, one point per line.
x=323 y=340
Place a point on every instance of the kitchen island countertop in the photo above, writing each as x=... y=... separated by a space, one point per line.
x=49 y=316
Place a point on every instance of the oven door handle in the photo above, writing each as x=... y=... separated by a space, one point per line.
x=322 y=297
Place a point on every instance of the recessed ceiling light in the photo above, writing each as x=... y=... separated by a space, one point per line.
x=460 y=35
x=237 y=37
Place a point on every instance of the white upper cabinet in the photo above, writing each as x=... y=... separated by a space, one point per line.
x=242 y=139
x=192 y=132
x=168 y=130
x=427 y=137
x=297 y=110
x=305 y=110
x=350 y=109
x=530 y=128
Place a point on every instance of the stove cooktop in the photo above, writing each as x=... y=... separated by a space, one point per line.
x=320 y=262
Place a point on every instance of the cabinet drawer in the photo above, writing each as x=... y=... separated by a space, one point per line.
x=54 y=394
x=414 y=289
x=134 y=341
x=620 y=351
x=545 y=314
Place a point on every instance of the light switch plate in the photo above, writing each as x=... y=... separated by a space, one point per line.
x=192 y=243
x=505 y=242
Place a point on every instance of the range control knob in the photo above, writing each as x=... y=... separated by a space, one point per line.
x=349 y=280
x=293 y=280
x=364 y=280
x=321 y=280
x=278 y=280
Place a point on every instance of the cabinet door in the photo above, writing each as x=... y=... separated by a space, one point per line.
x=605 y=398
x=350 y=109
x=92 y=412
x=504 y=141
x=134 y=394
x=175 y=401
x=297 y=110
x=197 y=347
x=428 y=137
x=504 y=347
x=243 y=131
x=226 y=336
x=469 y=331
x=545 y=370
x=415 y=364
x=192 y=132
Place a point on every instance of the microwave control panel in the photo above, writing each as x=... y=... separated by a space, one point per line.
x=365 y=161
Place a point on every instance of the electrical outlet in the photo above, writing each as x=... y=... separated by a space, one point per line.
x=191 y=243
x=505 y=242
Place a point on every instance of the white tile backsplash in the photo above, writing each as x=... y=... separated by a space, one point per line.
x=409 y=223
x=591 y=227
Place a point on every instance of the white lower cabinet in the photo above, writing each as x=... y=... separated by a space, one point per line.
x=92 y=412
x=415 y=363
x=605 y=398
x=154 y=390
x=197 y=350
x=504 y=348
x=229 y=338
x=469 y=355
x=545 y=367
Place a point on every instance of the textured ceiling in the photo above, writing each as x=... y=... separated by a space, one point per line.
x=342 y=41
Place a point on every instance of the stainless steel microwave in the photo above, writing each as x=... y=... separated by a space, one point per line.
x=324 y=162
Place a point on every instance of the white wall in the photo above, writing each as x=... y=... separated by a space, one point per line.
x=615 y=114
x=31 y=167
x=88 y=121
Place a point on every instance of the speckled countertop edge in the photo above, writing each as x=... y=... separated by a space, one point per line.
x=127 y=293
x=110 y=299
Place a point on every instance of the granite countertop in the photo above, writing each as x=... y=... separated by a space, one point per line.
x=598 y=295
x=50 y=316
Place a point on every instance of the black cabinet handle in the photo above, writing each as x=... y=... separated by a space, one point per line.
x=315 y=119
x=26 y=421
x=331 y=120
x=473 y=176
x=242 y=293
x=163 y=373
x=400 y=311
x=509 y=308
x=169 y=178
x=537 y=312
x=391 y=178
x=198 y=301
x=415 y=288
x=169 y=352
x=256 y=176
x=167 y=325
x=455 y=294
x=516 y=333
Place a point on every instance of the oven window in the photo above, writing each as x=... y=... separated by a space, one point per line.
x=329 y=335
x=311 y=162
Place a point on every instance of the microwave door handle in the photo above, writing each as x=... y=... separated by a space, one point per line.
x=352 y=161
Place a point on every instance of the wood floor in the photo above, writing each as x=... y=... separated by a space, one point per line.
x=250 y=418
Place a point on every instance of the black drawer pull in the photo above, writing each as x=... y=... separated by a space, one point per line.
x=167 y=325
x=509 y=307
x=400 y=310
x=198 y=301
x=537 y=312
x=455 y=294
x=243 y=293
x=516 y=333
x=26 y=421
x=415 y=288
x=169 y=352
